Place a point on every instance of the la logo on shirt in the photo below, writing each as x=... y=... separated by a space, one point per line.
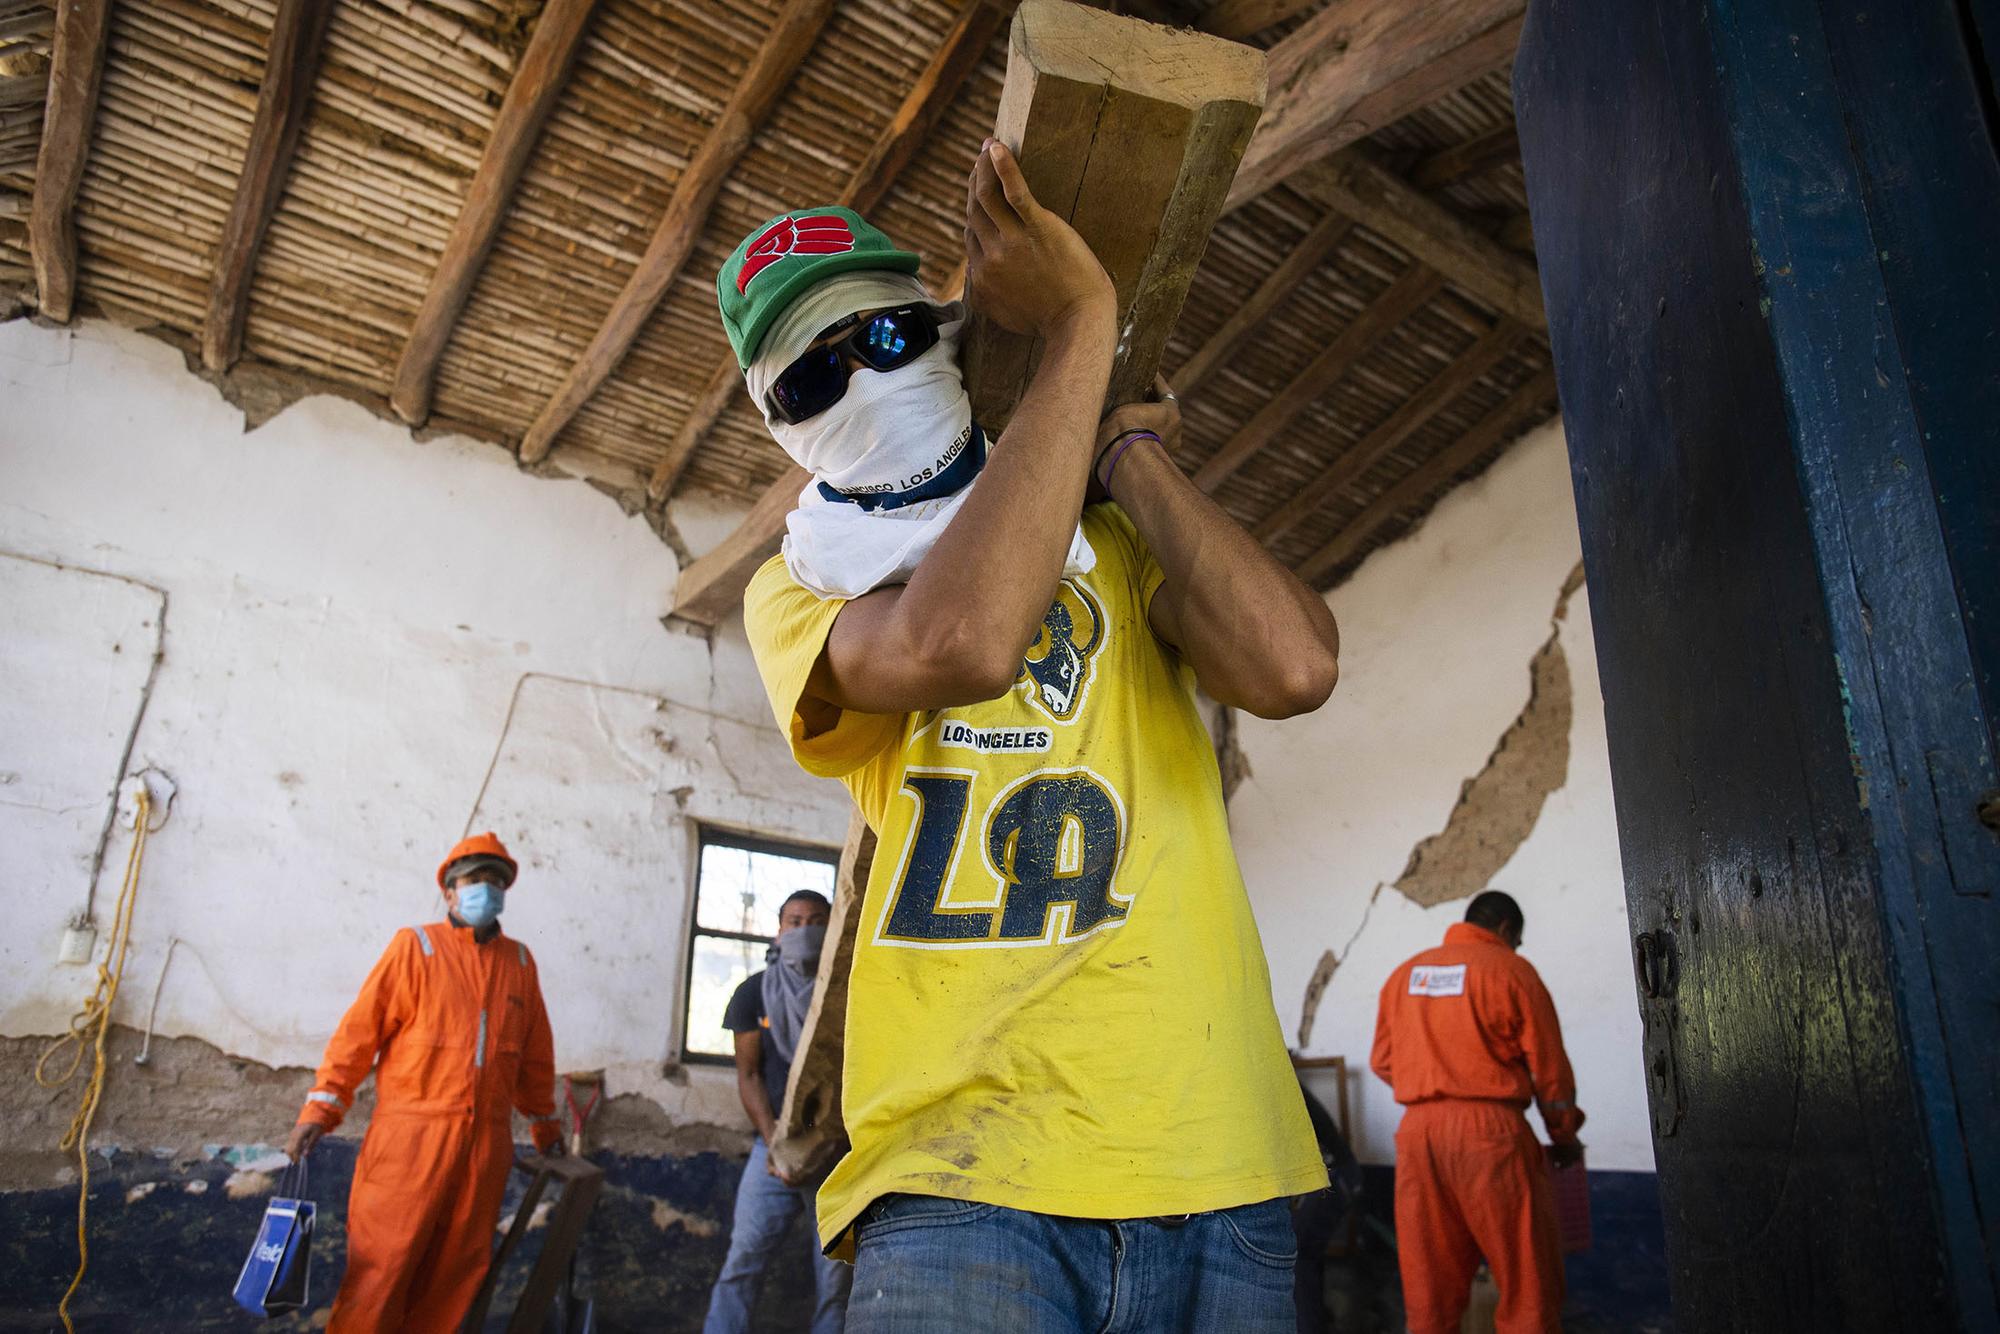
x=1438 y=979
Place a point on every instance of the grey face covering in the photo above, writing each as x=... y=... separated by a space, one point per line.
x=792 y=965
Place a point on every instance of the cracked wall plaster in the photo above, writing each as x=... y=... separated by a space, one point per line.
x=1315 y=988
x=1497 y=808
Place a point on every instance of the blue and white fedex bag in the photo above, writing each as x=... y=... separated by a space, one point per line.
x=275 y=1277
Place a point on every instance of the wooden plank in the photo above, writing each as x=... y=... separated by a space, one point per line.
x=1295 y=268
x=791 y=40
x=811 y=1134
x=524 y=1213
x=1432 y=234
x=1448 y=166
x=282 y=98
x=1237 y=19
x=712 y=587
x=1131 y=131
x=1357 y=66
x=1405 y=421
x=1530 y=400
x=1395 y=305
x=582 y=1181
x=76 y=65
x=935 y=89
x=531 y=95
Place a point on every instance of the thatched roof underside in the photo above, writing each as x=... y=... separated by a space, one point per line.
x=403 y=104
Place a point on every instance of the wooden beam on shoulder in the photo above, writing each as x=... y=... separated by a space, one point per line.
x=1294 y=269
x=1513 y=412
x=531 y=96
x=1402 y=299
x=950 y=65
x=290 y=68
x=1404 y=422
x=712 y=586
x=1358 y=65
x=1431 y=233
x=76 y=67
x=1131 y=132
x=770 y=73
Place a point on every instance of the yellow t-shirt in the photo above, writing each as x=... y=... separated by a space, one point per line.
x=1059 y=1002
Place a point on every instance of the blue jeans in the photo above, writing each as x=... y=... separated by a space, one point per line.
x=925 y=1264
x=765 y=1208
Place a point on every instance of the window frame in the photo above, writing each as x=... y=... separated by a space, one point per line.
x=705 y=835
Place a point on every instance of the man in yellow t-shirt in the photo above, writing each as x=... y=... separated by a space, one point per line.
x=1069 y=1102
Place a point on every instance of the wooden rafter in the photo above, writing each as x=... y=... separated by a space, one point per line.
x=1432 y=234
x=1362 y=64
x=1529 y=401
x=1448 y=166
x=770 y=73
x=531 y=95
x=1388 y=310
x=1404 y=422
x=282 y=98
x=712 y=587
x=935 y=88
x=1294 y=269
x=76 y=67
x=1238 y=19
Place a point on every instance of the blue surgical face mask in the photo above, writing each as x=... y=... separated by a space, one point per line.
x=479 y=904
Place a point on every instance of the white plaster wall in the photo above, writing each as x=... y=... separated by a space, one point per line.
x=369 y=643
x=1437 y=632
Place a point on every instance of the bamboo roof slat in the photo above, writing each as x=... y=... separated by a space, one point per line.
x=405 y=104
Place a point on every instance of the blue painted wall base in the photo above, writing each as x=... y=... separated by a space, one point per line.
x=167 y=1241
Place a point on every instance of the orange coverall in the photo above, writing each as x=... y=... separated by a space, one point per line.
x=463 y=1039
x=1466 y=1036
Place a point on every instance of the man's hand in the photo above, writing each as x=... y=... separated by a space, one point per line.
x=1566 y=1154
x=1161 y=415
x=304 y=1135
x=1027 y=269
x=771 y=1166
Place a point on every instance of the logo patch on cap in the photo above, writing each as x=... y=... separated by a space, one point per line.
x=821 y=234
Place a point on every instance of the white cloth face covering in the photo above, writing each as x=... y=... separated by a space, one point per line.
x=891 y=461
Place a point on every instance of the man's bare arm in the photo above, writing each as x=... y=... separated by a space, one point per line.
x=955 y=634
x=750 y=1083
x=1257 y=638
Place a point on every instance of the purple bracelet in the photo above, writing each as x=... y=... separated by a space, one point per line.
x=1118 y=448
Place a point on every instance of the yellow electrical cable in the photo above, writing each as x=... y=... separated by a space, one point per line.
x=96 y=1012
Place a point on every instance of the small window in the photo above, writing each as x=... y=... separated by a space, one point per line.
x=740 y=883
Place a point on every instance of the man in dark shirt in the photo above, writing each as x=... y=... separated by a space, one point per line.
x=766 y=1014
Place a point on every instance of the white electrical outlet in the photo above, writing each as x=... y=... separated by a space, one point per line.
x=78 y=942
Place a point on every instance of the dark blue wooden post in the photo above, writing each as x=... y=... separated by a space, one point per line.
x=1769 y=234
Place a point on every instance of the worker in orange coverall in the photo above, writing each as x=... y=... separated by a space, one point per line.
x=454 y=1010
x=1466 y=1036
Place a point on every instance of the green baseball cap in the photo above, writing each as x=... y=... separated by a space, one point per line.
x=778 y=261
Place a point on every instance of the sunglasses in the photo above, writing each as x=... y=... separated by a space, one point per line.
x=881 y=342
